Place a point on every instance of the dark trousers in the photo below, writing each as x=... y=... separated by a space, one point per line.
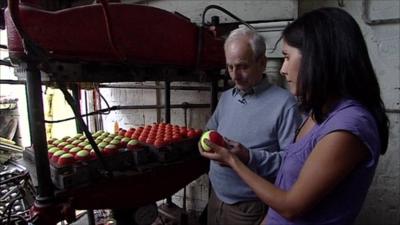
x=242 y=213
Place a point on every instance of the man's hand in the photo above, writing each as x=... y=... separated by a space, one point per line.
x=239 y=150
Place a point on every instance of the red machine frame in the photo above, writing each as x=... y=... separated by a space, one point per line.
x=108 y=42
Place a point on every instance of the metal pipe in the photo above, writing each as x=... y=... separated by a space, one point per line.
x=76 y=95
x=214 y=94
x=174 y=106
x=12 y=82
x=45 y=192
x=184 y=105
x=392 y=110
x=158 y=101
x=167 y=104
x=90 y=216
x=270 y=26
x=185 y=88
x=86 y=108
x=5 y=63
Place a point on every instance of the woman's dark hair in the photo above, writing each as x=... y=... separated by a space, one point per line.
x=335 y=64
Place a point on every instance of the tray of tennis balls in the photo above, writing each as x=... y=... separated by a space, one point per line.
x=73 y=160
x=168 y=142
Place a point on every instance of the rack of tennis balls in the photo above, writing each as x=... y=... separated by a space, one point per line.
x=73 y=160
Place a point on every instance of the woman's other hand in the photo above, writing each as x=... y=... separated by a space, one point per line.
x=217 y=153
x=239 y=150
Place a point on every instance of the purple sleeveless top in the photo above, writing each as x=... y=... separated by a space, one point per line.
x=343 y=204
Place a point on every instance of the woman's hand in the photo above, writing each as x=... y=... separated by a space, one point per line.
x=223 y=155
x=217 y=153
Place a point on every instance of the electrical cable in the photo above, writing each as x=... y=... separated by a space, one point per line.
x=121 y=107
x=5 y=63
x=97 y=105
x=162 y=220
x=101 y=111
x=226 y=12
x=11 y=203
x=105 y=101
x=105 y=111
x=200 y=33
x=106 y=13
x=237 y=18
x=276 y=44
x=19 y=181
x=85 y=129
x=8 y=210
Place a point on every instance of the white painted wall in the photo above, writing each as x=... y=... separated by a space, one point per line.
x=14 y=91
x=381 y=206
x=248 y=10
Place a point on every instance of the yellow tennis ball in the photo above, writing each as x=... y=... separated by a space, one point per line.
x=205 y=135
x=212 y=136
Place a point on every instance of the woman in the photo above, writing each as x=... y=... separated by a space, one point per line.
x=326 y=172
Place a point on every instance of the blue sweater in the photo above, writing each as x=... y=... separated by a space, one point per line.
x=264 y=122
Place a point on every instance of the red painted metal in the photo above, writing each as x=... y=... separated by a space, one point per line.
x=141 y=35
x=134 y=34
x=51 y=214
x=122 y=191
x=138 y=189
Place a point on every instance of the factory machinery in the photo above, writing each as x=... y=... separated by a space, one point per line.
x=108 y=42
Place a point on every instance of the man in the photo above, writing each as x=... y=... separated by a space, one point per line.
x=260 y=116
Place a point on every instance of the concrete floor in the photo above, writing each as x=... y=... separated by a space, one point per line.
x=173 y=215
x=167 y=215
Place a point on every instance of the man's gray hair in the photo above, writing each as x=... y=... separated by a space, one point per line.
x=256 y=41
